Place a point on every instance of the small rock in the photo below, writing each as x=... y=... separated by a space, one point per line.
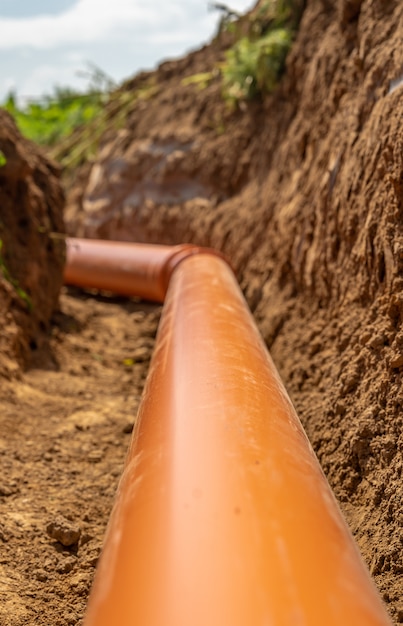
x=128 y=428
x=41 y=575
x=64 y=531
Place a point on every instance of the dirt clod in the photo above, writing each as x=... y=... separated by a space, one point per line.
x=64 y=531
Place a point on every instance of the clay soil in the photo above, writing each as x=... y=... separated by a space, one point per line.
x=65 y=428
x=303 y=191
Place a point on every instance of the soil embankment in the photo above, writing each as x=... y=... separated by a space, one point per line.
x=303 y=191
x=31 y=258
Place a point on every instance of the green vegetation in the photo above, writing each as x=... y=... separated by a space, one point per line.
x=255 y=62
x=54 y=117
x=83 y=143
x=253 y=67
x=3 y=159
x=71 y=124
x=6 y=274
x=201 y=81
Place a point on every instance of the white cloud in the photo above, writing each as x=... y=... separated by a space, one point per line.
x=7 y=84
x=120 y=36
x=94 y=20
x=46 y=75
x=88 y=20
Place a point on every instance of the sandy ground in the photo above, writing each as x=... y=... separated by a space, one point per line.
x=65 y=428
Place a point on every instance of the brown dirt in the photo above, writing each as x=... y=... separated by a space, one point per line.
x=31 y=258
x=304 y=193
x=64 y=434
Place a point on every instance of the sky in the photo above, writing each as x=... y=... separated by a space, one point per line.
x=44 y=43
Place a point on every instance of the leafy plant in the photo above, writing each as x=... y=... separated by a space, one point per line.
x=254 y=66
x=272 y=14
x=52 y=118
x=83 y=143
x=71 y=124
x=49 y=120
x=255 y=61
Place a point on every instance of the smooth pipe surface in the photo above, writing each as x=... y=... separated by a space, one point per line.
x=142 y=270
x=223 y=516
x=124 y=268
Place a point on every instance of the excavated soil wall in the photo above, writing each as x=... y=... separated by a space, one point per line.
x=31 y=254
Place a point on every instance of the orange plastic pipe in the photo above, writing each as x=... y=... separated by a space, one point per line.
x=223 y=516
x=133 y=270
